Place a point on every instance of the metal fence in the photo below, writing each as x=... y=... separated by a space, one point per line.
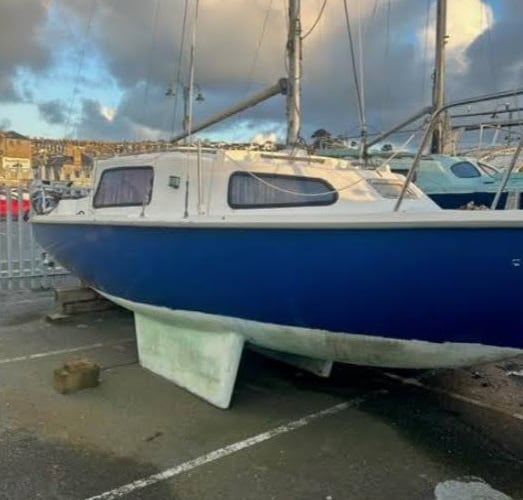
x=23 y=263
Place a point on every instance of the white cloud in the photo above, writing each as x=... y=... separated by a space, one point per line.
x=263 y=138
x=108 y=113
x=467 y=20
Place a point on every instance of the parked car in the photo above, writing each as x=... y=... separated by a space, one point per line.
x=13 y=203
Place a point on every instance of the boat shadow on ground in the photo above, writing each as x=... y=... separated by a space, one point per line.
x=468 y=441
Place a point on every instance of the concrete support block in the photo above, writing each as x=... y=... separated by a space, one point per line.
x=76 y=375
x=203 y=362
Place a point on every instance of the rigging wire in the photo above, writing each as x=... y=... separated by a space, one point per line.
x=289 y=191
x=372 y=18
x=425 y=51
x=156 y=12
x=362 y=77
x=361 y=109
x=178 y=68
x=315 y=23
x=387 y=54
x=490 y=58
x=190 y=86
x=403 y=146
x=80 y=67
x=258 y=47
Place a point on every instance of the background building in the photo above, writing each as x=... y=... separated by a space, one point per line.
x=16 y=152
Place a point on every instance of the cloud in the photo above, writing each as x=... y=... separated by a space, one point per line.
x=53 y=112
x=467 y=21
x=241 y=48
x=141 y=48
x=495 y=57
x=5 y=123
x=93 y=124
x=20 y=45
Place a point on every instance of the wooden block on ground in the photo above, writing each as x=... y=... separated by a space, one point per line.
x=78 y=300
x=99 y=304
x=75 y=294
x=75 y=376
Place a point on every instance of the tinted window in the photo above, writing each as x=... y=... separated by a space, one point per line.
x=465 y=170
x=124 y=187
x=261 y=190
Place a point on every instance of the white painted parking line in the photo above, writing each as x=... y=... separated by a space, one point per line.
x=65 y=351
x=453 y=395
x=228 y=450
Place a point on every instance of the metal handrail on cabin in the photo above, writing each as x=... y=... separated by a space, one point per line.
x=433 y=120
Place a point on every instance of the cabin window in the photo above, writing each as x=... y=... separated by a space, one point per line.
x=391 y=189
x=465 y=170
x=124 y=187
x=262 y=190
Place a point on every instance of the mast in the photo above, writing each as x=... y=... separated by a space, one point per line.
x=294 y=57
x=188 y=91
x=438 y=89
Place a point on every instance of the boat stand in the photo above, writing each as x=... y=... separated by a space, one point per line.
x=203 y=362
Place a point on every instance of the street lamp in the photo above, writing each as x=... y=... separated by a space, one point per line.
x=171 y=92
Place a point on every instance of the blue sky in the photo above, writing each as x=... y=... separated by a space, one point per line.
x=100 y=68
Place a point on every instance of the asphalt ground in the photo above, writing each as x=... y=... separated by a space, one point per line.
x=288 y=435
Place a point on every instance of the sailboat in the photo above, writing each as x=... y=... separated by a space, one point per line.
x=310 y=259
x=451 y=181
x=454 y=182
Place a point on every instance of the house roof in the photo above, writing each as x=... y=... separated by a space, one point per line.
x=11 y=134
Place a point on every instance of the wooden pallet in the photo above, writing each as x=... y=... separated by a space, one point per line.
x=77 y=300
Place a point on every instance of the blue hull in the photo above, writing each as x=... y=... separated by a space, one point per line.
x=456 y=285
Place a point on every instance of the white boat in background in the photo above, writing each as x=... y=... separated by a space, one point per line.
x=310 y=257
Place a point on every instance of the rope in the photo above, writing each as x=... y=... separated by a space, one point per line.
x=362 y=76
x=372 y=18
x=150 y=61
x=490 y=58
x=80 y=66
x=425 y=52
x=179 y=65
x=191 y=71
x=288 y=191
x=404 y=145
x=260 y=41
x=354 y=67
x=320 y=14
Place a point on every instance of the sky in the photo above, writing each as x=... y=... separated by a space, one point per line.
x=100 y=69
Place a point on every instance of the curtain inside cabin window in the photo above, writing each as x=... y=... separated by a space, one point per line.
x=261 y=190
x=124 y=187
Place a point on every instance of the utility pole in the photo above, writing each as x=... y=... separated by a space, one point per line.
x=438 y=89
x=294 y=55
